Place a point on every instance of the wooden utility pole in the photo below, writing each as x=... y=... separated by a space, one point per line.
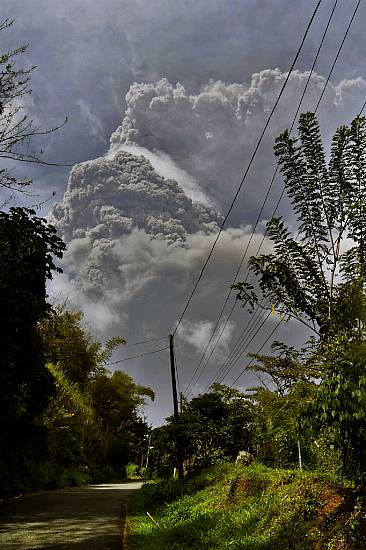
x=174 y=381
x=175 y=401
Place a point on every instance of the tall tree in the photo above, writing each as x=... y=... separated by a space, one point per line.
x=315 y=277
x=319 y=276
x=27 y=249
x=95 y=419
x=69 y=345
x=28 y=245
x=212 y=425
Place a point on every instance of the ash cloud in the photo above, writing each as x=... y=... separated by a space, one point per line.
x=135 y=245
x=131 y=231
x=140 y=220
x=212 y=134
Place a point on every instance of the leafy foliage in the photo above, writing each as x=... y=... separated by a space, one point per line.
x=310 y=277
x=341 y=406
x=212 y=426
x=319 y=277
x=70 y=346
x=250 y=508
x=27 y=247
x=96 y=413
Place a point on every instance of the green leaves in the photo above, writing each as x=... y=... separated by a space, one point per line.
x=319 y=276
x=305 y=176
x=341 y=402
x=306 y=277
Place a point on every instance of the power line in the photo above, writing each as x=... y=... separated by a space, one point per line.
x=362 y=109
x=145 y=341
x=260 y=349
x=230 y=290
x=338 y=52
x=248 y=167
x=325 y=85
x=249 y=339
x=244 y=340
x=317 y=106
x=265 y=201
x=136 y=356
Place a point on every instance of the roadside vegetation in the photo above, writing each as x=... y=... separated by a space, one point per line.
x=309 y=409
x=65 y=419
x=248 y=508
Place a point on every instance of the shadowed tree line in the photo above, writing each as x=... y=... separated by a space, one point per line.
x=64 y=418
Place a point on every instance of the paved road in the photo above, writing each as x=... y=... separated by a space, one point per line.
x=77 y=518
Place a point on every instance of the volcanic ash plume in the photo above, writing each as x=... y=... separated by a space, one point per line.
x=212 y=134
x=131 y=234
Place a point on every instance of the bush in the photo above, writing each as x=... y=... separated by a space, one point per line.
x=132 y=471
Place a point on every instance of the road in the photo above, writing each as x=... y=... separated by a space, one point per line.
x=87 y=518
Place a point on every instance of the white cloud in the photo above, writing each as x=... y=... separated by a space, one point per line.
x=198 y=334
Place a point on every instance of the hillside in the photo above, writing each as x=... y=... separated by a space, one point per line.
x=248 y=508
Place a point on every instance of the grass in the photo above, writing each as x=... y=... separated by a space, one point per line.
x=247 y=508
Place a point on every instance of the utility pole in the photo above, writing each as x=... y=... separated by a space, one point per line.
x=175 y=401
x=174 y=381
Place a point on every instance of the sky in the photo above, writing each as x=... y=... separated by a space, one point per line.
x=165 y=101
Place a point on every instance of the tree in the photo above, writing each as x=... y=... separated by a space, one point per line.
x=313 y=277
x=117 y=401
x=288 y=388
x=319 y=277
x=70 y=346
x=27 y=248
x=287 y=368
x=212 y=426
x=95 y=418
x=16 y=128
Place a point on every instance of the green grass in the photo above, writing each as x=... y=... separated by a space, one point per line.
x=254 y=507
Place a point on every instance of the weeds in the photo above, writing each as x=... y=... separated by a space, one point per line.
x=244 y=508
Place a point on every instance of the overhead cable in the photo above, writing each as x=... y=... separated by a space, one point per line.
x=258 y=351
x=145 y=341
x=316 y=108
x=261 y=211
x=249 y=166
x=136 y=356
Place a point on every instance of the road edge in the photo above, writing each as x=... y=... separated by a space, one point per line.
x=125 y=528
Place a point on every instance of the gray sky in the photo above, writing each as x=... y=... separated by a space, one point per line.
x=89 y=53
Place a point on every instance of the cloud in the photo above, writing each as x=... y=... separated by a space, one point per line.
x=140 y=220
x=92 y=52
x=108 y=197
x=96 y=127
x=166 y=167
x=131 y=231
x=211 y=135
x=198 y=333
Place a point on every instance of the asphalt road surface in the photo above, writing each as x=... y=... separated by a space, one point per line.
x=88 y=517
